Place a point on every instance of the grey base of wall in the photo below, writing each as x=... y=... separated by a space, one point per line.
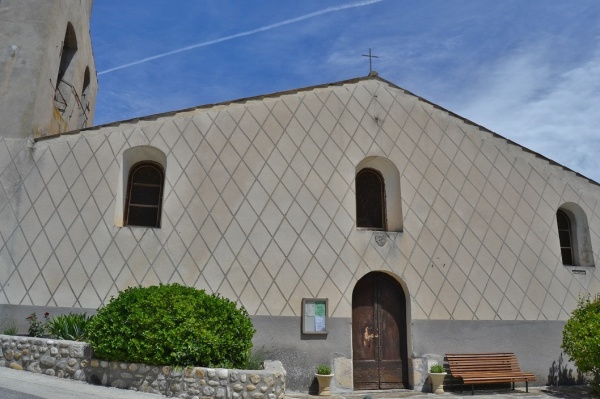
x=281 y=338
x=536 y=344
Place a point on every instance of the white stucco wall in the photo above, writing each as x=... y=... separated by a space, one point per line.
x=259 y=206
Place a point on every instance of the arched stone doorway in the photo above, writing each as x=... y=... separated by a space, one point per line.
x=379 y=333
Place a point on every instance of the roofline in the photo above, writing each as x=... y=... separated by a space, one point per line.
x=371 y=76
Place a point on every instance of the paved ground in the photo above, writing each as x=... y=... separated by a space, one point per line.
x=24 y=385
x=573 y=392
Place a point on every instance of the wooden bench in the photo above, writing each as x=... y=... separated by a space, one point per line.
x=487 y=368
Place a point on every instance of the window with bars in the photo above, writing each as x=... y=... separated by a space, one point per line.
x=143 y=204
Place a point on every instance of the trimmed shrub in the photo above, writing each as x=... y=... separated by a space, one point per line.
x=172 y=325
x=581 y=339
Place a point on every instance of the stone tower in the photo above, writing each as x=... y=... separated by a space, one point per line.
x=48 y=80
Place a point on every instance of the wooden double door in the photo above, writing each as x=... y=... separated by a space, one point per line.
x=379 y=335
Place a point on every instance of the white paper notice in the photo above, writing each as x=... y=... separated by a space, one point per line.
x=320 y=323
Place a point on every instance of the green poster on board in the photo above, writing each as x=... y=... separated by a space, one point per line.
x=320 y=309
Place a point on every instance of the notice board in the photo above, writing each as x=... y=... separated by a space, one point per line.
x=314 y=315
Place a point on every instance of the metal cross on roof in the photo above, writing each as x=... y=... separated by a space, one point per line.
x=370 y=60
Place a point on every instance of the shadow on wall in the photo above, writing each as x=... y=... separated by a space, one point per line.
x=560 y=374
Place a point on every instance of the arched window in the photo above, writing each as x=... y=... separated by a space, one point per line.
x=131 y=158
x=370 y=200
x=143 y=205
x=67 y=52
x=378 y=197
x=565 y=237
x=574 y=235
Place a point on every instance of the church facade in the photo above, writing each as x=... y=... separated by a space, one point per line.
x=360 y=225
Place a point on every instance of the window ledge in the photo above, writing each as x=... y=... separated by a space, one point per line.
x=580 y=269
x=131 y=226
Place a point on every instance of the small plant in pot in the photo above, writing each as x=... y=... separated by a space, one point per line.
x=437 y=374
x=324 y=376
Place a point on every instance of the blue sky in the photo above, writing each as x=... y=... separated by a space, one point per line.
x=528 y=70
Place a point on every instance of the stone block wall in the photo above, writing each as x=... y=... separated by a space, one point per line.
x=64 y=359
x=420 y=370
x=74 y=360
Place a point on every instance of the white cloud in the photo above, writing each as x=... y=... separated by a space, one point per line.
x=265 y=28
x=551 y=108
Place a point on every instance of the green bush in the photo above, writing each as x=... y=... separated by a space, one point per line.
x=172 y=325
x=581 y=338
x=71 y=326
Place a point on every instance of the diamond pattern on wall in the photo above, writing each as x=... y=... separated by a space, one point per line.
x=259 y=206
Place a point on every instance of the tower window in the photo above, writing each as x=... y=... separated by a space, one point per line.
x=370 y=200
x=143 y=205
x=63 y=92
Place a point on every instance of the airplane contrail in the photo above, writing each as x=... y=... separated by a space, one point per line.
x=247 y=33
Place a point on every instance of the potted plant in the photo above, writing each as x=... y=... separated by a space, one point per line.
x=437 y=374
x=324 y=377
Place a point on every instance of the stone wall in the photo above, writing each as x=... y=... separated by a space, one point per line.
x=69 y=359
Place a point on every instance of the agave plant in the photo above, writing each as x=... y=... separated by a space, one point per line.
x=71 y=326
